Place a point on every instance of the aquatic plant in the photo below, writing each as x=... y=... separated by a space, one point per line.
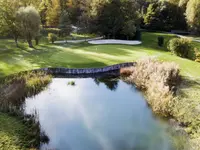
x=158 y=80
x=13 y=91
x=72 y=83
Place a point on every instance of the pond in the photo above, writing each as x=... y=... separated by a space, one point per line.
x=97 y=114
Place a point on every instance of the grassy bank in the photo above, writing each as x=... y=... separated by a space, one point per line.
x=17 y=130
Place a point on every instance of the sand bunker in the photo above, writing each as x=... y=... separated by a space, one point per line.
x=112 y=41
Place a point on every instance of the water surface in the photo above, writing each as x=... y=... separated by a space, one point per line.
x=97 y=115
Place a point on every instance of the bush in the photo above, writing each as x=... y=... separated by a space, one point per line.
x=52 y=37
x=180 y=46
x=158 y=80
x=160 y=41
x=197 y=54
x=125 y=72
x=64 y=32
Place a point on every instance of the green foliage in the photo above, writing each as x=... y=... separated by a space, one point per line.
x=29 y=20
x=64 y=20
x=72 y=83
x=8 y=24
x=64 y=24
x=117 y=19
x=183 y=3
x=129 y=29
x=53 y=13
x=197 y=54
x=163 y=16
x=43 y=10
x=160 y=41
x=193 y=15
x=180 y=47
x=52 y=37
x=138 y=35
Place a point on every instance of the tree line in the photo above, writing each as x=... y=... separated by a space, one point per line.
x=112 y=18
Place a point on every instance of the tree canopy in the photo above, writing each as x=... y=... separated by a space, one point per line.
x=193 y=15
x=112 y=18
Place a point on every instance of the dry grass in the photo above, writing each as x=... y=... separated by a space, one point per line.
x=13 y=89
x=158 y=80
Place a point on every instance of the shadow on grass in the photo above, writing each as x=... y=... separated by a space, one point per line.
x=189 y=88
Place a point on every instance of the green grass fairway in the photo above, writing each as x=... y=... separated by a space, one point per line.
x=84 y=55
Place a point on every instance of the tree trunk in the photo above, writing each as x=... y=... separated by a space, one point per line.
x=30 y=43
x=16 y=41
x=37 y=41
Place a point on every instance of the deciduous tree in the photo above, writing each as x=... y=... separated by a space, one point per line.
x=8 y=24
x=29 y=20
x=193 y=15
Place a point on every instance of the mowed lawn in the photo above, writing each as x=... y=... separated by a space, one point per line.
x=84 y=55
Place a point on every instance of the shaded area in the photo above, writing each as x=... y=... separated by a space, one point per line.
x=18 y=130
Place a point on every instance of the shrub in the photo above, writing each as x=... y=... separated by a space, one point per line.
x=197 y=54
x=138 y=35
x=72 y=83
x=64 y=32
x=52 y=37
x=158 y=80
x=180 y=46
x=125 y=72
x=160 y=41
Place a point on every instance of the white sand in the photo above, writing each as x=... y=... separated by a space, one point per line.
x=112 y=41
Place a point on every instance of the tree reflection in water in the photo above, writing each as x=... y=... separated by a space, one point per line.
x=110 y=82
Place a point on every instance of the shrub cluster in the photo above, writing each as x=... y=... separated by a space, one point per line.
x=197 y=53
x=52 y=37
x=180 y=47
x=157 y=79
x=13 y=90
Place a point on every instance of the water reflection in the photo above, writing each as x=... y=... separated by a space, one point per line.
x=110 y=82
x=88 y=116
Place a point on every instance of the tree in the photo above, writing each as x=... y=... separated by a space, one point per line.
x=8 y=24
x=129 y=29
x=65 y=24
x=183 y=3
x=114 y=15
x=26 y=3
x=29 y=20
x=193 y=15
x=43 y=10
x=64 y=20
x=53 y=13
x=163 y=16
